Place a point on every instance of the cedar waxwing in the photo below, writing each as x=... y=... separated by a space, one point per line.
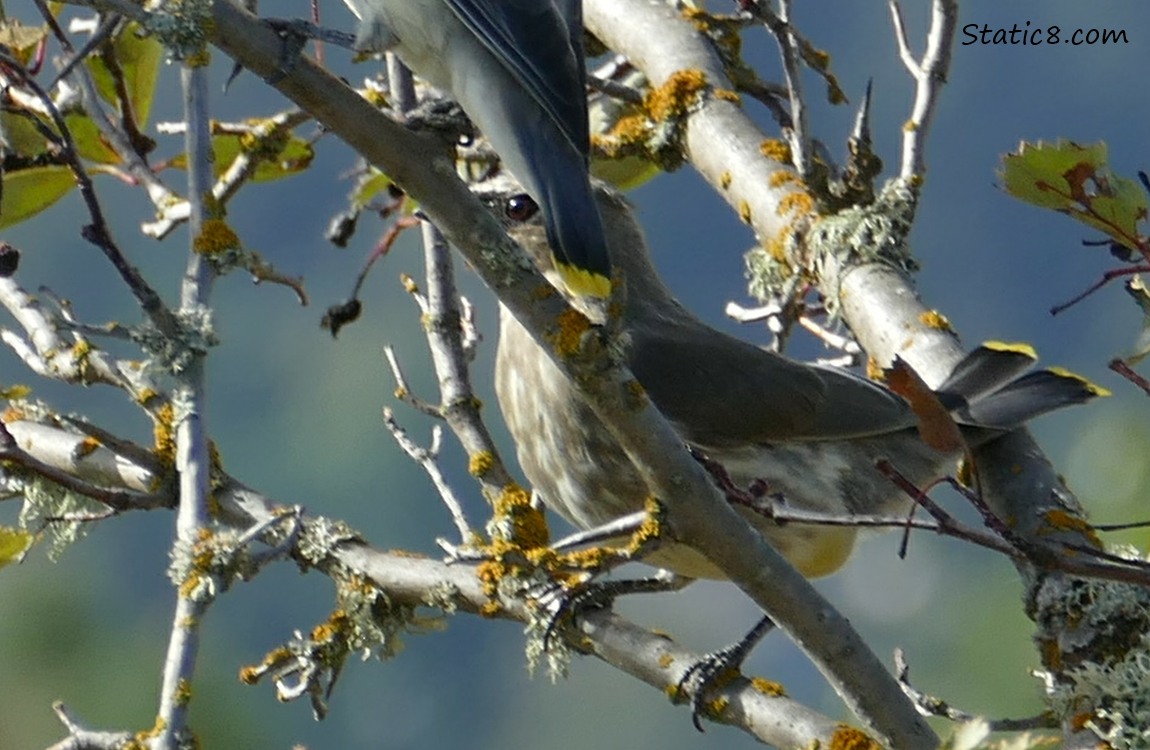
x=811 y=433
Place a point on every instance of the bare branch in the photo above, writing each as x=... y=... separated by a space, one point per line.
x=930 y=75
x=933 y=706
x=80 y=738
x=193 y=461
x=427 y=458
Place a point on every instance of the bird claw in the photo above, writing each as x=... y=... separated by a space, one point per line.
x=716 y=669
x=570 y=603
x=589 y=596
x=295 y=33
x=294 y=36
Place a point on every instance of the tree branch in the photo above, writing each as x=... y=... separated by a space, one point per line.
x=699 y=516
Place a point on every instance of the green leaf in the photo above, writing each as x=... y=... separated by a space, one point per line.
x=139 y=58
x=21 y=136
x=27 y=192
x=293 y=155
x=90 y=143
x=1076 y=180
x=368 y=188
x=16 y=391
x=13 y=544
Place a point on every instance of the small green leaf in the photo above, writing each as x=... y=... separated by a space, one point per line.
x=139 y=58
x=90 y=143
x=21 y=137
x=294 y=156
x=27 y=192
x=368 y=188
x=15 y=391
x=1077 y=181
x=13 y=544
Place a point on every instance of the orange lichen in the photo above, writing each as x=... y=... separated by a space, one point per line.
x=336 y=625
x=874 y=370
x=768 y=687
x=776 y=150
x=632 y=128
x=86 y=447
x=935 y=319
x=1080 y=720
x=592 y=558
x=782 y=177
x=215 y=238
x=145 y=395
x=776 y=247
x=164 y=435
x=568 y=335
x=798 y=201
x=674 y=98
x=849 y=738
x=745 y=211
x=528 y=522
x=652 y=526
x=183 y=692
x=480 y=463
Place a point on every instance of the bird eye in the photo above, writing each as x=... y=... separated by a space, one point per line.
x=520 y=207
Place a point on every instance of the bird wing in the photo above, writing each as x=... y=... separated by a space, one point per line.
x=540 y=43
x=719 y=390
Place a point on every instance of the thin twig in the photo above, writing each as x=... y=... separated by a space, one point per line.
x=930 y=74
x=1107 y=277
x=403 y=391
x=933 y=706
x=98 y=232
x=81 y=738
x=428 y=460
x=193 y=462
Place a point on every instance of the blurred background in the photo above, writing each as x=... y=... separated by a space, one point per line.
x=297 y=415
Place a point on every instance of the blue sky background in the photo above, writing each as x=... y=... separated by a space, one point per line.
x=297 y=415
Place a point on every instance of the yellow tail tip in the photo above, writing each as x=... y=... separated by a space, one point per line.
x=583 y=282
x=1093 y=388
x=1016 y=347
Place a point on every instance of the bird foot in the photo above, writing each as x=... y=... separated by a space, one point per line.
x=567 y=604
x=717 y=669
x=295 y=33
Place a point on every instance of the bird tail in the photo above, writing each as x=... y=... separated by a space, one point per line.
x=555 y=175
x=577 y=238
x=991 y=387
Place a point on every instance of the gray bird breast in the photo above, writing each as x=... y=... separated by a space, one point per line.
x=580 y=471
